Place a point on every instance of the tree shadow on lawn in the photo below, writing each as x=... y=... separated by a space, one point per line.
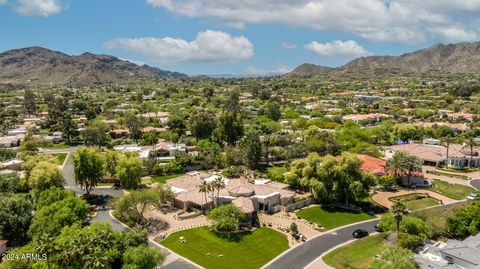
x=232 y=236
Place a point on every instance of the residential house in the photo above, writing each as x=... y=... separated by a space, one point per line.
x=9 y=141
x=459 y=156
x=461 y=116
x=453 y=254
x=365 y=117
x=263 y=194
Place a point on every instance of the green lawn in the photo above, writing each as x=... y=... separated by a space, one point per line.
x=438 y=173
x=457 y=192
x=412 y=203
x=332 y=217
x=276 y=173
x=163 y=179
x=61 y=157
x=358 y=254
x=251 y=250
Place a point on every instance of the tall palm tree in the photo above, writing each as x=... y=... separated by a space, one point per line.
x=397 y=165
x=211 y=189
x=218 y=184
x=203 y=187
x=471 y=142
x=413 y=165
x=398 y=210
x=448 y=140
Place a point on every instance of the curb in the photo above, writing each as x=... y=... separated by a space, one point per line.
x=182 y=257
x=153 y=242
x=336 y=247
x=327 y=232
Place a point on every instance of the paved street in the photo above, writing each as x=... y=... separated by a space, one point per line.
x=301 y=256
x=172 y=261
x=475 y=183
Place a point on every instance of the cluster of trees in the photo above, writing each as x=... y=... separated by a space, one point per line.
x=131 y=207
x=94 y=246
x=226 y=218
x=54 y=223
x=90 y=165
x=465 y=221
x=411 y=231
x=331 y=178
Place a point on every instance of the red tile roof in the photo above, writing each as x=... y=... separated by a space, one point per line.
x=371 y=164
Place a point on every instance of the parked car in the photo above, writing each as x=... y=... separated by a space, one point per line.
x=359 y=233
x=472 y=196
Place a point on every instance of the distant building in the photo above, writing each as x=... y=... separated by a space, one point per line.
x=9 y=141
x=432 y=141
x=461 y=116
x=142 y=153
x=453 y=254
x=372 y=165
x=459 y=156
x=365 y=117
x=14 y=164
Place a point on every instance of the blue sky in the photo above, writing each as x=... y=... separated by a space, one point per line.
x=236 y=37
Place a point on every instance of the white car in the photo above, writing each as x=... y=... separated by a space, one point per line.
x=472 y=196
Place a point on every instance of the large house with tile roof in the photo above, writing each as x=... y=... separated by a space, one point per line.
x=250 y=195
x=459 y=156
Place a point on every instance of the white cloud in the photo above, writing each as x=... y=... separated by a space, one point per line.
x=454 y=33
x=209 y=46
x=3 y=2
x=288 y=45
x=279 y=69
x=42 y=8
x=338 y=49
x=405 y=21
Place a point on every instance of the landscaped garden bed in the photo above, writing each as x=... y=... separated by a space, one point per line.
x=415 y=201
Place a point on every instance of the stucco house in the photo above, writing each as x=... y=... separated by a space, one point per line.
x=262 y=194
x=452 y=254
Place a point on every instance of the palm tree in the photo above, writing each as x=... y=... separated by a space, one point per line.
x=448 y=140
x=398 y=210
x=203 y=187
x=413 y=165
x=397 y=165
x=211 y=188
x=218 y=184
x=471 y=142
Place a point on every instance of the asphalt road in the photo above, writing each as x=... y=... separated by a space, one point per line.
x=475 y=183
x=301 y=256
x=103 y=213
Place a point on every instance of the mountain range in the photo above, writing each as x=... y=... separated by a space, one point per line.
x=441 y=59
x=36 y=65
